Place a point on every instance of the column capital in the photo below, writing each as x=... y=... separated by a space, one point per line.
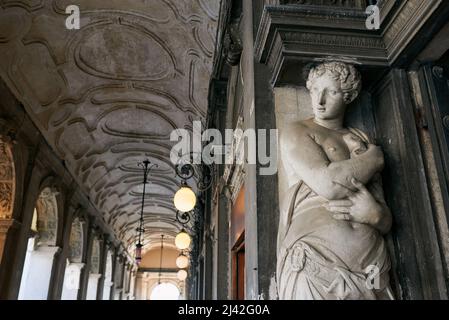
x=48 y=249
x=77 y=265
x=95 y=275
x=109 y=283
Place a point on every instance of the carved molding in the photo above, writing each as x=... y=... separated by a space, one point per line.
x=358 y=4
x=289 y=34
x=47 y=217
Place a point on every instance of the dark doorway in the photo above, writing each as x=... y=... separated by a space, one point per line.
x=238 y=269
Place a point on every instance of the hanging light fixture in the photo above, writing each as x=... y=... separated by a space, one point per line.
x=184 y=201
x=182 y=275
x=160 y=260
x=185 y=198
x=182 y=261
x=147 y=166
x=182 y=240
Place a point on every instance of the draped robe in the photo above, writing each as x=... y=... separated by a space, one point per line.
x=321 y=258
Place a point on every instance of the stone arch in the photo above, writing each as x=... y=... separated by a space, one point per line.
x=41 y=248
x=7 y=180
x=74 y=264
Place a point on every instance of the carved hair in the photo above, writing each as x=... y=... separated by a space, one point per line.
x=350 y=79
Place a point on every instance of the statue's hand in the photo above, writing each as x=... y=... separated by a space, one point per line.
x=355 y=144
x=360 y=207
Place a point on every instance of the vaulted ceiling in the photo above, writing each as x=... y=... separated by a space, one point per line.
x=108 y=95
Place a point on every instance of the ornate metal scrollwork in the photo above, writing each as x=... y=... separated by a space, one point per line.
x=185 y=171
x=183 y=217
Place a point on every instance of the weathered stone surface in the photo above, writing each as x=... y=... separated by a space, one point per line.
x=108 y=95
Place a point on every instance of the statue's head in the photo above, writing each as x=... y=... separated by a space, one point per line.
x=332 y=86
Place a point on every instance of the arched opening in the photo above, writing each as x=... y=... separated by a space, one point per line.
x=74 y=262
x=165 y=291
x=108 y=277
x=152 y=273
x=94 y=272
x=41 y=248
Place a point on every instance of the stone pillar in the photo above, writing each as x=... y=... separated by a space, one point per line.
x=141 y=286
x=85 y=273
x=144 y=291
x=223 y=253
x=103 y=255
x=132 y=285
x=107 y=289
x=124 y=282
x=72 y=279
x=126 y=286
x=37 y=272
x=118 y=283
x=249 y=110
x=138 y=286
x=92 y=286
x=208 y=265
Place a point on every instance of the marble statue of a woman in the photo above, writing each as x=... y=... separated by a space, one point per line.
x=332 y=222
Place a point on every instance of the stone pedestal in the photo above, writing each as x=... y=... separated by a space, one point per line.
x=92 y=286
x=107 y=290
x=71 y=281
x=37 y=272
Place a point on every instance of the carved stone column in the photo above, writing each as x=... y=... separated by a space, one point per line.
x=107 y=289
x=85 y=274
x=224 y=261
x=132 y=285
x=118 y=278
x=92 y=286
x=103 y=258
x=36 y=272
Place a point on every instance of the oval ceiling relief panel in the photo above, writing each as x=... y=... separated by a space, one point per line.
x=138 y=123
x=125 y=53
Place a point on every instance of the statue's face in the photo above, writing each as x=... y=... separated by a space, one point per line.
x=327 y=98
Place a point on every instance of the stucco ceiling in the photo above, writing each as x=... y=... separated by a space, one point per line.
x=108 y=95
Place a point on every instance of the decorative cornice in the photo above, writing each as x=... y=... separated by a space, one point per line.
x=407 y=21
x=356 y=4
x=299 y=34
